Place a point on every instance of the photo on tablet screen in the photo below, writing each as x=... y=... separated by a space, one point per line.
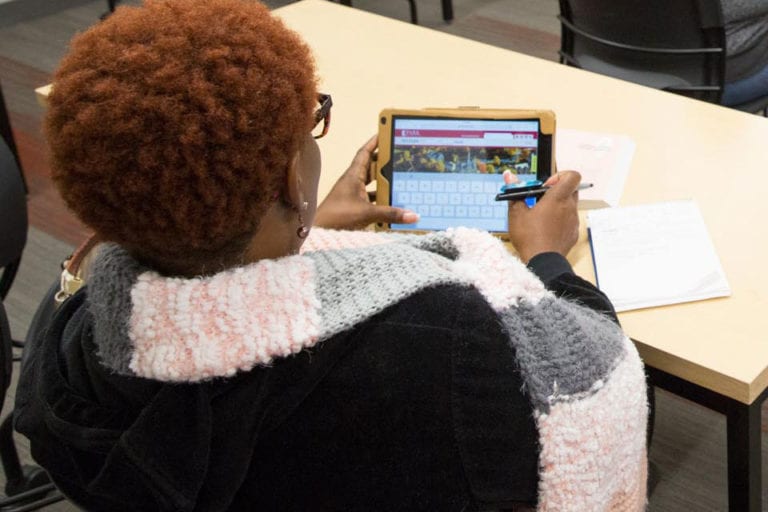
x=449 y=170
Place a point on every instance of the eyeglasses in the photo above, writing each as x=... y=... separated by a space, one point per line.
x=322 y=114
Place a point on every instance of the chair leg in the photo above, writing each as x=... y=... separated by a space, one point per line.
x=9 y=273
x=447 y=10
x=18 y=479
x=34 y=499
x=10 y=457
x=414 y=14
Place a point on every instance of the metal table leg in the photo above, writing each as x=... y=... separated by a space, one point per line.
x=744 y=456
x=743 y=433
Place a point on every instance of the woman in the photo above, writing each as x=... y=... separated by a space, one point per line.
x=221 y=359
x=746 y=37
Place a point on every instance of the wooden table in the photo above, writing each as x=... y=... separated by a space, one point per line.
x=714 y=352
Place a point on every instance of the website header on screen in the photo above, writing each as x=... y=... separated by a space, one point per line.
x=466 y=132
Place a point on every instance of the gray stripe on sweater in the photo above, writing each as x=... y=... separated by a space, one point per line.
x=345 y=281
x=563 y=349
x=109 y=300
x=437 y=243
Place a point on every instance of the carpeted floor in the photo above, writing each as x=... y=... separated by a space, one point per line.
x=688 y=453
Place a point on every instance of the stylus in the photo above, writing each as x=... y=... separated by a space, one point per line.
x=535 y=192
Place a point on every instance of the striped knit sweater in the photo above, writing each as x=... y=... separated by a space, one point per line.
x=583 y=376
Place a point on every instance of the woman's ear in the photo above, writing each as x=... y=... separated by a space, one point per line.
x=293 y=191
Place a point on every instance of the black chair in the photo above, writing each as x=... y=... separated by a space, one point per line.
x=13 y=216
x=675 y=46
x=27 y=487
x=6 y=133
x=447 y=6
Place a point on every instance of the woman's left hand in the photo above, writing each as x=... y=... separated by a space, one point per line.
x=348 y=206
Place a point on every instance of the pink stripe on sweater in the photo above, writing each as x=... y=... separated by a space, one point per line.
x=194 y=329
x=593 y=450
x=501 y=277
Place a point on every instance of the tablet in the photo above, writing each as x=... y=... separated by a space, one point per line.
x=446 y=164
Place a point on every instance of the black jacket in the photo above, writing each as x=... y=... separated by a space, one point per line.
x=419 y=408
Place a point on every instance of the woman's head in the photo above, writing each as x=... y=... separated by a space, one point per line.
x=172 y=126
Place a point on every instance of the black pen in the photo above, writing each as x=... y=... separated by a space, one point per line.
x=531 y=192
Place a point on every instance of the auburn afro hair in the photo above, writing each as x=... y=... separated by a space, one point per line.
x=171 y=125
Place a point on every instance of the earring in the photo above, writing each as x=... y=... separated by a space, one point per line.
x=303 y=230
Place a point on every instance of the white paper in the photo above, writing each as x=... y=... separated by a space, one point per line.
x=653 y=255
x=602 y=159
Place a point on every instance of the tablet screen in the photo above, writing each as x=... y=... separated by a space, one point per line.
x=449 y=170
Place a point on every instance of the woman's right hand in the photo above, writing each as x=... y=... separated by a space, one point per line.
x=552 y=225
x=348 y=206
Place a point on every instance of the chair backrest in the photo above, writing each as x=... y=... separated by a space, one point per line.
x=13 y=217
x=676 y=45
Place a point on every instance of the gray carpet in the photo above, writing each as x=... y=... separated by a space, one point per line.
x=688 y=453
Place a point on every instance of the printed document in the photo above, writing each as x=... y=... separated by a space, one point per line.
x=602 y=159
x=655 y=254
